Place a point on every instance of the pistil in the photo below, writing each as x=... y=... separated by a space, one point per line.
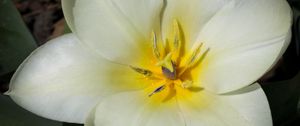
x=172 y=75
x=167 y=63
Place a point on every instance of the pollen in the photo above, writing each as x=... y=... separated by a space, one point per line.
x=175 y=65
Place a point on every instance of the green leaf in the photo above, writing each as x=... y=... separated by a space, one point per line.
x=283 y=98
x=13 y=115
x=16 y=43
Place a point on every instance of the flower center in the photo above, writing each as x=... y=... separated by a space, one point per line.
x=175 y=65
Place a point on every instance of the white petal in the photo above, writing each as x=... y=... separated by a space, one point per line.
x=245 y=39
x=63 y=80
x=118 y=30
x=192 y=15
x=246 y=107
x=90 y=119
x=134 y=109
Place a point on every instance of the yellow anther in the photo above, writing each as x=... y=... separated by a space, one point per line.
x=167 y=62
x=145 y=72
x=192 y=59
x=157 y=90
x=155 y=45
x=194 y=55
x=176 y=33
x=176 y=44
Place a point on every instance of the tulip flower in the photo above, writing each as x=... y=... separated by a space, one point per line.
x=157 y=63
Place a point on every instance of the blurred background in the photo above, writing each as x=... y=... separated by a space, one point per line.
x=27 y=24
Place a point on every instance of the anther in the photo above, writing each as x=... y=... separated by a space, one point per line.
x=155 y=46
x=194 y=55
x=192 y=59
x=145 y=72
x=176 y=45
x=176 y=30
x=159 y=89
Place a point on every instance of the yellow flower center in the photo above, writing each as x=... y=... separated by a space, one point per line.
x=174 y=77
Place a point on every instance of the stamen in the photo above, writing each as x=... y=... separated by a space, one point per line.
x=192 y=59
x=145 y=72
x=168 y=54
x=155 y=46
x=176 y=33
x=194 y=55
x=157 y=90
x=176 y=45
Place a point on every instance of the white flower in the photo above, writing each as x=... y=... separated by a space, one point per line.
x=157 y=63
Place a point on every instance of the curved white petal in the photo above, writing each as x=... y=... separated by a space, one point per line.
x=245 y=39
x=91 y=117
x=245 y=107
x=63 y=80
x=192 y=15
x=134 y=109
x=118 y=30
